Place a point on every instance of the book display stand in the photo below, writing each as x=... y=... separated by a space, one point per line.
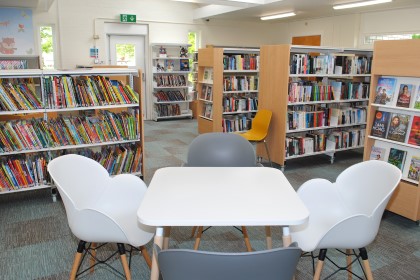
x=393 y=125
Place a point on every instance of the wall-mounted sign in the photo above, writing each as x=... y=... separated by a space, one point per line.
x=127 y=18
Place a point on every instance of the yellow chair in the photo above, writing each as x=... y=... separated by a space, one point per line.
x=259 y=129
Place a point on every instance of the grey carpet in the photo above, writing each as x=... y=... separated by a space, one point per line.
x=36 y=242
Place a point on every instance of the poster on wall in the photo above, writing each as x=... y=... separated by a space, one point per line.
x=16 y=32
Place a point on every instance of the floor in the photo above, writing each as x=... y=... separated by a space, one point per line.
x=36 y=242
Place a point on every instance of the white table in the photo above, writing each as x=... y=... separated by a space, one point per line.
x=220 y=196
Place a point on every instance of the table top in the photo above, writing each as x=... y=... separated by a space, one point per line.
x=221 y=196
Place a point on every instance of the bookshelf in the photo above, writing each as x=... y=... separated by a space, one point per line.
x=194 y=82
x=46 y=113
x=398 y=61
x=171 y=67
x=297 y=83
x=228 y=86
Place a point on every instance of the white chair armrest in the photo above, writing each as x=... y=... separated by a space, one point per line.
x=350 y=233
x=105 y=230
x=319 y=195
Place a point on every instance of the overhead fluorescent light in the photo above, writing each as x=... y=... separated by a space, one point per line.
x=278 y=16
x=360 y=4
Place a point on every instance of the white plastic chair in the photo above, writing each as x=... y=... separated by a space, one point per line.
x=346 y=214
x=99 y=208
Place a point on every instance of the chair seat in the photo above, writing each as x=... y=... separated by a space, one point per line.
x=253 y=136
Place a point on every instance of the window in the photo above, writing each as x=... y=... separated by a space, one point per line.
x=47 y=47
x=192 y=40
x=126 y=54
x=369 y=39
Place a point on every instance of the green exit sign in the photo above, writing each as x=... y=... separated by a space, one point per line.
x=127 y=18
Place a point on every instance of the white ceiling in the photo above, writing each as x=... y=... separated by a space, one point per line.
x=304 y=9
x=42 y=5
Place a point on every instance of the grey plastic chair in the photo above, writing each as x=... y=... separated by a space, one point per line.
x=219 y=149
x=274 y=264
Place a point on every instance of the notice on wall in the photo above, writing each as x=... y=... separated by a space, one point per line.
x=16 y=32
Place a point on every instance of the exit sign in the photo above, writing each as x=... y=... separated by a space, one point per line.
x=127 y=18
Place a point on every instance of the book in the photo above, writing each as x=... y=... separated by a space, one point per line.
x=414 y=169
x=398 y=126
x=377 y=153
x=397 y=157
x=417 y=101
x=380 y=124
x=404 y=95
x=414 y=136
x=385 y=90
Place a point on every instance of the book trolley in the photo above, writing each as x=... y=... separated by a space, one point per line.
x=47 y=113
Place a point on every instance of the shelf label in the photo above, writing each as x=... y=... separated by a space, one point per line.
x=127 y=18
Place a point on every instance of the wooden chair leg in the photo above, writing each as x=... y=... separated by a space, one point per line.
x=366 y=265
x=92 y=257
x=268 y=237
x=124 y=262
x=198 y=237
x=193 y=231
x=146 y=256
x=348 y=258
x=320 y=264
x=246 y=238
x=77 y=259
x=167 y=234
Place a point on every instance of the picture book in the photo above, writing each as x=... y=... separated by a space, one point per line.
x=380 y=124
x=385 y=90
x=414 y=171
x=414 y=136
x=404 y=95
x=184 y=65
x=417 y=101
x=398 y=126
x=377 y=153
x=397 y=157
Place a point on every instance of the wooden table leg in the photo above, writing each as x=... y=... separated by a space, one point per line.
x=158 y=240
x=167 y=234
x=268 y=237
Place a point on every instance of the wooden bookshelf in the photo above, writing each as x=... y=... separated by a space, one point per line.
x=40 y=144
x=396 y=59
x=213 y=59
x=275 y=76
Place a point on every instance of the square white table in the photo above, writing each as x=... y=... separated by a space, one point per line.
x=220 y=196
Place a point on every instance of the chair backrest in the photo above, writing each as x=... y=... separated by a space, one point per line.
x=261 y=122
x=364 y=190
x=366 y=187
x=79 y=179
x=220 y=150
x=275 y=264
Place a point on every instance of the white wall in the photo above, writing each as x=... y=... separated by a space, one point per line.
x=337 y=31
x=77 y=21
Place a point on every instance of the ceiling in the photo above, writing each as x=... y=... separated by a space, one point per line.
x=304 y=9
x=42 y=5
